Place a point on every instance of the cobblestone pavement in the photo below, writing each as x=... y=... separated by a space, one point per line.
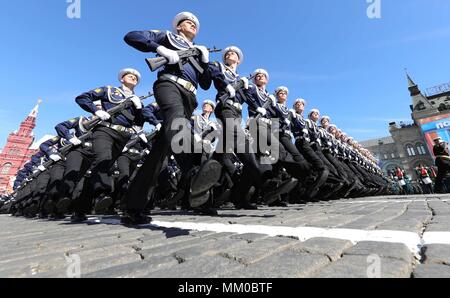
x=405 y=236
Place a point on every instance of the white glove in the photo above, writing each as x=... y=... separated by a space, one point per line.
x=245 y=81
x=273 y=99
x=102 y=115
x=158 y=126
x=170 y=55
x=287 y=122
x=231 y=91
x=214 y=125
x=34 y=172
x=262 y=111
x=147 y=152
x=75 y=141
x=197 y=138
x=41 y=168
x=125 y=149
x=137 y=102
x=205 y=53
x=55 y=157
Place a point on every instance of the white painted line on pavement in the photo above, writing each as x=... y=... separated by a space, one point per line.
x=410 y=239
x=390 y=201
x=436 y=238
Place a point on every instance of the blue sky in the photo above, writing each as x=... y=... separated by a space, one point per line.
x=328 y=52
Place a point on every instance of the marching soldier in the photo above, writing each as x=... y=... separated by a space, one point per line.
x=132 y=154
x=22 y=187
x=38 y=185
x=286 y=136
x=335 y=181
x=302 y=142
x=175 y=92
x=201 y=125
x=112 y=134
x=78 y=161
x=262 y=106
x=339 y=155
x=328 y=151
x=229 y=112
x=290 y=157
x=54 y=188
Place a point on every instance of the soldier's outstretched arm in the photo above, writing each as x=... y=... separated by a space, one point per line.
x=217 y=76
x=36 y=159
x=87 y=99
x=45 y=147
x=63 y=128
x=145 y=41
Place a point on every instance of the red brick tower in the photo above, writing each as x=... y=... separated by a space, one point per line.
x=17 y=150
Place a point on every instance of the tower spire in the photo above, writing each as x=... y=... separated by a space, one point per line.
x=410 y=81
x=35 y=110
x=420 y=104
x=412 y=87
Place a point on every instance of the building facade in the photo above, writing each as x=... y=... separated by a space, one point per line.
x=18 y=150
x=411 y=145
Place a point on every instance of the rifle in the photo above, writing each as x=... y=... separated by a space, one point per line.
x=135 y=140
x=89 y=124
x=63 y=151
x=266 y=105
x=237 y=86
x=158 y=62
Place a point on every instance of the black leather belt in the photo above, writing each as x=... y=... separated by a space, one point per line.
x=118 y=128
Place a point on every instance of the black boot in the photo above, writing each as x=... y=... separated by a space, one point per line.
x=63 y=205
x=134 y=218
x=202 y=181
x=78 y=217
x=274 y=188
x=102 y=204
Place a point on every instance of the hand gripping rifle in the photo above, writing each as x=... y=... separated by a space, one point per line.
x=146 y=138
x=158 y=62
x=89 y=124
x=238 y=85
x=266 y=105
x=62 y=151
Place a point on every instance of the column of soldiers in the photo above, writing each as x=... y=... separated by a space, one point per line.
x=281 y=156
